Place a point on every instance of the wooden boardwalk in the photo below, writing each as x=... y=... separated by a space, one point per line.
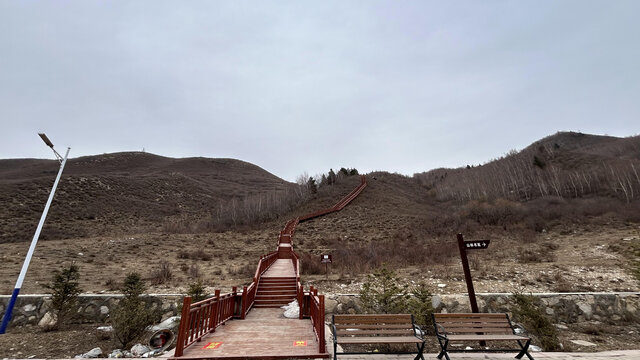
x=208 y=329
x=264 y=334
x=281 y=268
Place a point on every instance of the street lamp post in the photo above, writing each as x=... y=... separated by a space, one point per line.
x=27 y=260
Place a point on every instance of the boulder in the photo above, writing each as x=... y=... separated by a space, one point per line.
x=117 y=353
x=330 y=306
x=48 y=320
x=171 y=323
x=29 y=308
x=138 y=350
x=91 y=354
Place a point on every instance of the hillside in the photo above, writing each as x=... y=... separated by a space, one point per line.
x=565 y=165
x=122 y=193
x=160 y=209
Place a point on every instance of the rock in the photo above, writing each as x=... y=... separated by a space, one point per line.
x=442 y=285
x=436 y=301
x=152 y=353
x=117 y=353
x=171 y=323
x=562 y=327
x=104 y=332
x=582 y=343
x=48 y=320
x=91 y=354
x=549 y=311
x=104 y=310
x=535 y=348
x=138 y=350
x=586 y=309
x=330 y=305
x=28 y=308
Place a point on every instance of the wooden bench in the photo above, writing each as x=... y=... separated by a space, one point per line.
x=477 y=327
x=376 y=329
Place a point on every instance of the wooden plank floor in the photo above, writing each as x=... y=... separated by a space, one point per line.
x=281 y=268
x=265 y=333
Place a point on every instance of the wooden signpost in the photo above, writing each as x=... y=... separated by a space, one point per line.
x=463 y=246
x=326 y=259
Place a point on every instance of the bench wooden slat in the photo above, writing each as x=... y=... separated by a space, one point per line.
x=375 y=332
x=469 y=320
x=469 y=315
x=360 y=319
x=373 y=321
x=380 y=340
x=367 y=316
x=478 y=331
x=471 y=337
x=372 y=326
x=502 y=325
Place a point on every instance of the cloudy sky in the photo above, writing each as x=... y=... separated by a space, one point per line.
x=293 y=86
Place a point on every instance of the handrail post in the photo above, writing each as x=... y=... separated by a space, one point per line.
x=300 y=298
x=244 y=302
x=321 y=340
x=215 y=313
x=234 y=294
x=184 y=323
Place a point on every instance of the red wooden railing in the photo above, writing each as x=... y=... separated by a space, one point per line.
x=249 y=292
x=312 y=306
x=203 y=317
x=340 y=204
x=299 y=290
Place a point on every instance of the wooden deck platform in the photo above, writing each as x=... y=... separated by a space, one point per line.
x=281 y=268
x=264 y=334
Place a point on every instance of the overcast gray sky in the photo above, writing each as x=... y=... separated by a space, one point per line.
x=293 y=86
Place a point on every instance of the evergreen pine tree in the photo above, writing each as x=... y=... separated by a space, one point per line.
x=64 y=295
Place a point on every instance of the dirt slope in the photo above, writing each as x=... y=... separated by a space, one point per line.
x=120 y=193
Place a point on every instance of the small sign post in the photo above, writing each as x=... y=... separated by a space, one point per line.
x=463 y=246
x=326 y=260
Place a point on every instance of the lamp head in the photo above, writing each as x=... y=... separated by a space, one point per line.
x=46 y=140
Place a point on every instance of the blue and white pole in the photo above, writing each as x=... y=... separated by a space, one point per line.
x=27 y=260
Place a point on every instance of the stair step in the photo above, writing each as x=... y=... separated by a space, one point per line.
x=263 y=306
x=272 y=302
x=277 y=292
x=277 y=281
x=275 y=297
x=263 y=287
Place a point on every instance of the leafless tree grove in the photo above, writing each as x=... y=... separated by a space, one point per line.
x=541 y=172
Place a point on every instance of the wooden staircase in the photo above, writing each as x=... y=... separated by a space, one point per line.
x=263 y=334
x=274 y=292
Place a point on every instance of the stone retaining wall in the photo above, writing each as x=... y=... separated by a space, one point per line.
x=568 y=308
x=562 y=307
x=92 y=308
